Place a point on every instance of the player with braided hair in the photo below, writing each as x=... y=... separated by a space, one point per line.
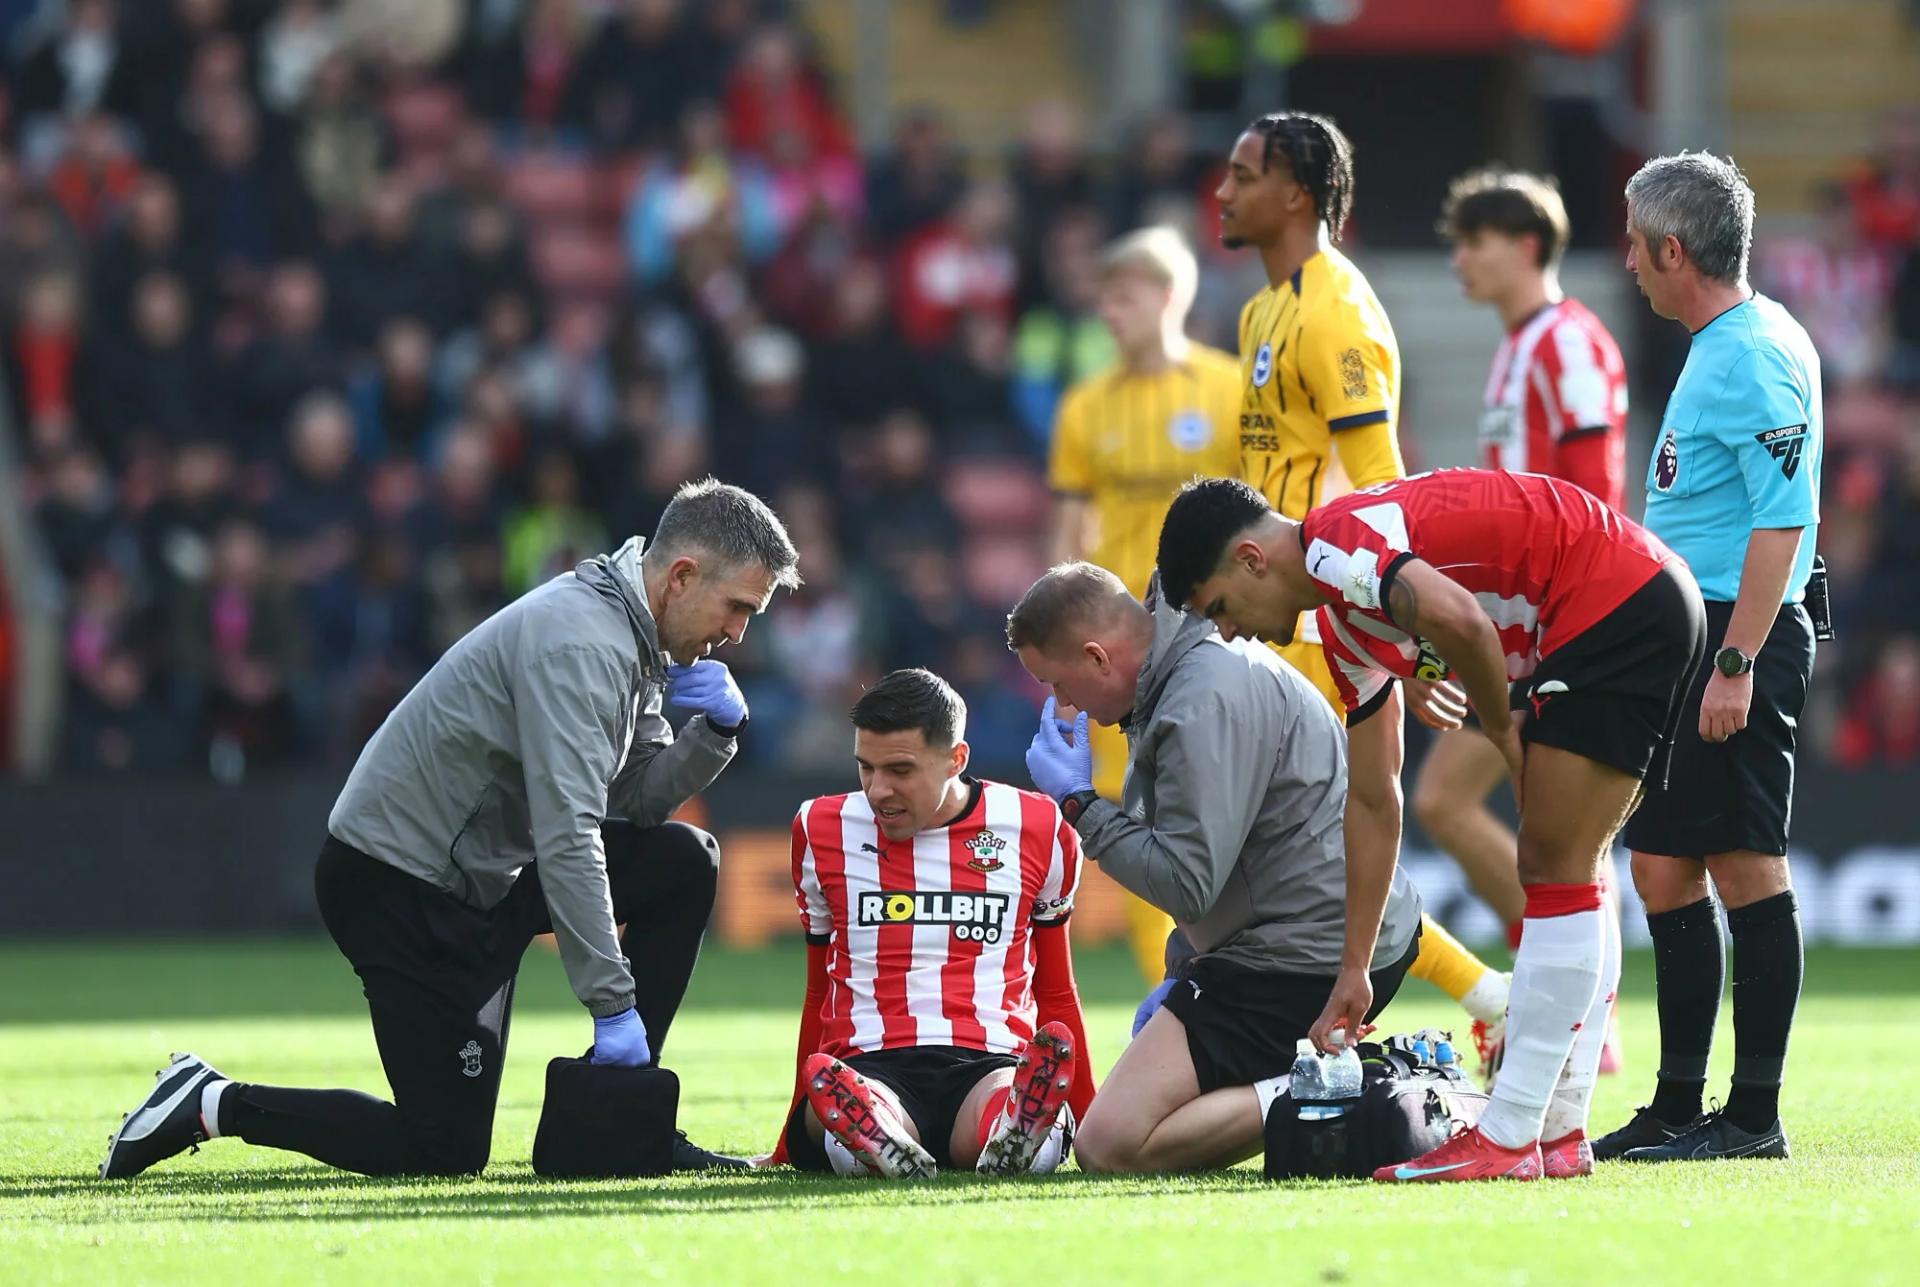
x=1321 y=392
x=1319 y=157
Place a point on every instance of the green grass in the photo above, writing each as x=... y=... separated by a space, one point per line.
x=82 y=1027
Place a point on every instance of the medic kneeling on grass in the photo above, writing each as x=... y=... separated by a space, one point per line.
x=941 y=1027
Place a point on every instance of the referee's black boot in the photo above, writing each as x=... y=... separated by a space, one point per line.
x=166 y=1122
x=1644 y=1131
x=688 y=1156
x=1714 y=1138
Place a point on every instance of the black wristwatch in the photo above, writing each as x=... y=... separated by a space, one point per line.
x=1076 y=804
x=1732 y=662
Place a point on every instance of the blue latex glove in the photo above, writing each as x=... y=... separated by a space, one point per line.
x=1057 y=766
x=621 y=1039
x=707 y=686
x=1152 y=1003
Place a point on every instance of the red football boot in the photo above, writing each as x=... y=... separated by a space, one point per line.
x=1569 y=1156
x=1469 y=1155
x=870 y=1130
x=1041 y=1082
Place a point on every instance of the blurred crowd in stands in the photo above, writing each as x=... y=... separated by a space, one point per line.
x=330 y=327
x=1854 y=281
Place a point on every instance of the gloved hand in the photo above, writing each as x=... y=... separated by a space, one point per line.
x=621 y=1039
x=707 y=686
x=1152 y=1003
x=1057 y=766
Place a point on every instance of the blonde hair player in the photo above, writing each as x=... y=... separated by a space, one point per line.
x=1123 y=443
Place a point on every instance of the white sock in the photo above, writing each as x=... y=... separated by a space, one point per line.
x=210 y=1106
x=1269 y=1090
x=1555 y=977
x=1487 y=999
x=841 y=1158
x=1053 y=1149
x=1574 y=1093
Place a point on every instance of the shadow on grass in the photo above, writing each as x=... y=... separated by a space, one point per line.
x=268 y=1196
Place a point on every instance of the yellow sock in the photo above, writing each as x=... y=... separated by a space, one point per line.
x=1449 y=966
x=1147 y=930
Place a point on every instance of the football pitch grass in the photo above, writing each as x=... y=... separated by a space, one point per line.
x=83 y=1026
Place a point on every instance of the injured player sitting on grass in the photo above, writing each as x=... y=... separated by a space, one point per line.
x=941 y=1026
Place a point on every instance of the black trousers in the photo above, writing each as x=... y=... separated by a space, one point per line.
x=438 y=977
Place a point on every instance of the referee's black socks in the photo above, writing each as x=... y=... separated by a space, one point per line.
x=1689 y=970
x=1768 y=963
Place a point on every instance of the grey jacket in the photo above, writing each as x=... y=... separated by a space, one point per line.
x=1232 y=816
x=530 y=731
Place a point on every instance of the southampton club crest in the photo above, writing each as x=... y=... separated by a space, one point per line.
x=469 y=1056
x=1666 y=464
x=986 y=848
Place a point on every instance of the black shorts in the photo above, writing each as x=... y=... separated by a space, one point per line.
x=1615 y=692
x=1737 y=794
x=931 y=1082
x=1244 y=1025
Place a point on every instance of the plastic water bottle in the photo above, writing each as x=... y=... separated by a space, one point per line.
x=1324 y=1086
x=1422 y=1052
x=1443 y=1053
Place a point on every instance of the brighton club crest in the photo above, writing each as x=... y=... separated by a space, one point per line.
x=1263 y=366
x=1666 y=463
x=986 y=848
x=1190 y=431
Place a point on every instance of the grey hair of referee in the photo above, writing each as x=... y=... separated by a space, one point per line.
x=717 y=554
x=1702 y=202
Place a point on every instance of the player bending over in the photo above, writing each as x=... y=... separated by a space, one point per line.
x=1236 y=822
x=941 y=1026
x=1497 y=578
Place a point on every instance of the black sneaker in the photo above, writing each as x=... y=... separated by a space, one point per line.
x=166 y=1122
x=1712 y=1139
x=688 y=1156
x=1644 y=1131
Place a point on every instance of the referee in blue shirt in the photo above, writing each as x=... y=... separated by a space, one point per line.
x=1734 y=488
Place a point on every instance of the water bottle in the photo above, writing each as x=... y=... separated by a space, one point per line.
x=1443 y=1053
x=1422 y=1052
x=1324 y=1086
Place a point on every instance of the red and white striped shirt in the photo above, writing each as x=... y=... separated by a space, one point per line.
x=1544 y=559
x=930 y=939
x=1558 y=380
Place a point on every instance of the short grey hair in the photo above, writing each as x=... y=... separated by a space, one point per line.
x=1704 y=203
x=729 y=524
x=1075 y=595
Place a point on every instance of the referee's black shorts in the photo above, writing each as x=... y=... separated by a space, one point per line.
x=1614 y=693
x=1737 y=794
